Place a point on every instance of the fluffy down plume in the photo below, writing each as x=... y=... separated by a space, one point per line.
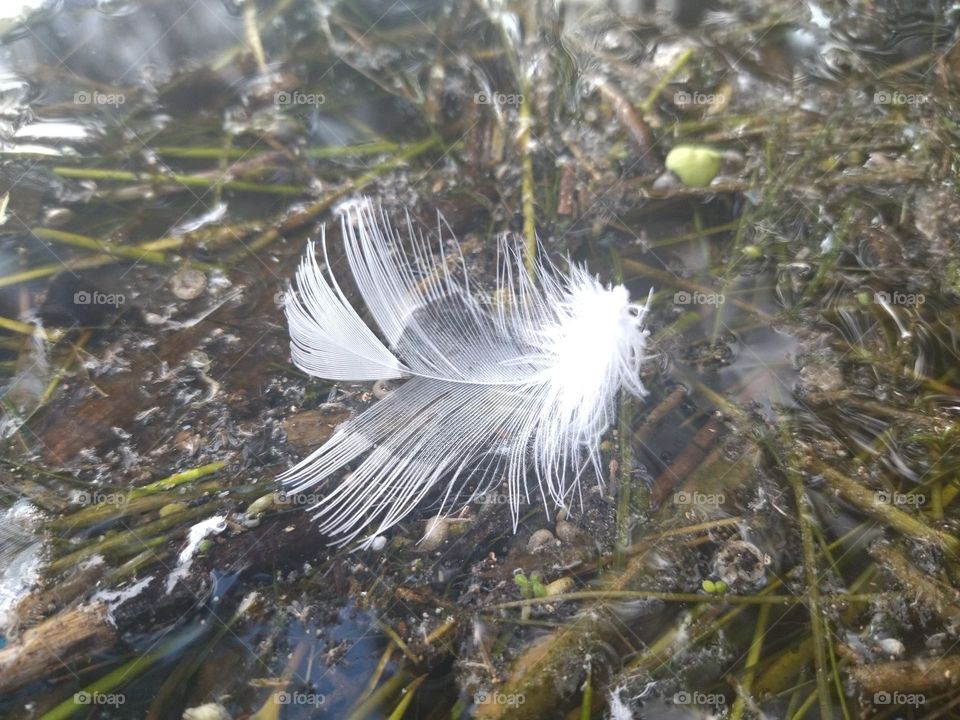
x=517 y=387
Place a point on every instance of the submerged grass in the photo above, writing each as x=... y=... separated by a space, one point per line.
x=798 y=405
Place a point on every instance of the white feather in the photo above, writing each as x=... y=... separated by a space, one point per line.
x=520 y=388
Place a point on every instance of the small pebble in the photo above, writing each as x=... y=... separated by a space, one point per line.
x=188 y=284
x=540 y=539
x=210 y=711
x=55 y=217
x=438 y=529
x=561 y=586
x=741 y=564
x=187 y=442
x=891 y=647
x=382 y=388
x=666 y=181
x=567 y=532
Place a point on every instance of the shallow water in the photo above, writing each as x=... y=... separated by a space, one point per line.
x=163 y=164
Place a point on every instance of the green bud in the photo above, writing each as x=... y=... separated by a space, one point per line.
x=537 y=586
x=521 y=582
x=695 y=165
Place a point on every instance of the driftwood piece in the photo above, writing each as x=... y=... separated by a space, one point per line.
x=913 y=676
x=75 y=636
x=71 y=636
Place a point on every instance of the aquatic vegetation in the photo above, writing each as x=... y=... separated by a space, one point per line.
x=776 y=534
